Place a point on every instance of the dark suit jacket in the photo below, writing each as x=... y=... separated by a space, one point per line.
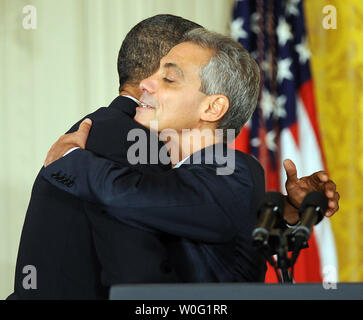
x=212 y=215
x=77 y=249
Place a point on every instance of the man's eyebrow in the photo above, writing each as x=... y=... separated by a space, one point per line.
x=175 y=67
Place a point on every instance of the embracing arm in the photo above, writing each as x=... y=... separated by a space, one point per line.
x=193 y=203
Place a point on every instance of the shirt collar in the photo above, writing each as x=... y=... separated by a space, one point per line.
x=180 y=163
x=132 y=98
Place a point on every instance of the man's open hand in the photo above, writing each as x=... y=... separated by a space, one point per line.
x=69 y=141
x=297 y=189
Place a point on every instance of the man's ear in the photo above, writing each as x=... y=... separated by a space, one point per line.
x=215 y=108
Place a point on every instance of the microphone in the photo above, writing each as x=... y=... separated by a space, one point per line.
x=270 y=210
x=311 y=213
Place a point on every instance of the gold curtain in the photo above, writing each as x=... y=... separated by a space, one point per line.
x=337 y=67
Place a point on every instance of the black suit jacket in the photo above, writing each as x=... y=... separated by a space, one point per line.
x=77 y=249
x=211 y=215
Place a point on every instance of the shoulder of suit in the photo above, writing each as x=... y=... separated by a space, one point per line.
x=250 y=160
x=114 y=106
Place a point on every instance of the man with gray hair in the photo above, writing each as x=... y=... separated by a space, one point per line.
x=206 y=83
x=231 y=72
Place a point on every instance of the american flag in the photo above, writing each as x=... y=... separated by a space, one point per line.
x=285 y=123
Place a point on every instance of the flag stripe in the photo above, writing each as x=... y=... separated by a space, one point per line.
x=308 y=98
x=285 y=124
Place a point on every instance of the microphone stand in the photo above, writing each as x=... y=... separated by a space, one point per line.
x=278 y=243
x=281 y=248
x=279 y=239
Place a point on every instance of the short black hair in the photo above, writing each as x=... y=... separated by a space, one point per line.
x=147 y=43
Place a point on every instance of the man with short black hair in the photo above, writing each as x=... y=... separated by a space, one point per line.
x=77 y=250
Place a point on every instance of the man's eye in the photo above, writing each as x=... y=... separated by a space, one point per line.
x=168 y=80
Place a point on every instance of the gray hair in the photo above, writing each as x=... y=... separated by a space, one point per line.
x=231 y=72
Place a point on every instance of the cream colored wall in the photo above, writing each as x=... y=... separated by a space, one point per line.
x=52 y=75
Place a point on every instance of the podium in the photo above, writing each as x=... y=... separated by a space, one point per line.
x=238 y=291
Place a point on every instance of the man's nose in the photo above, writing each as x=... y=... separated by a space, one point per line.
x=148 y=85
